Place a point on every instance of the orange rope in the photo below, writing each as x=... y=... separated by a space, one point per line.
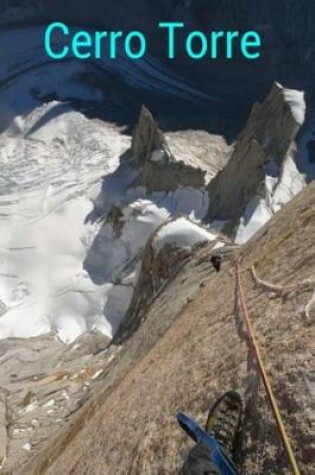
x=264 y=376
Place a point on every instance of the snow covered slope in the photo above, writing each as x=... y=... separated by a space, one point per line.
x=265 y=171
x=73 y=221
x=59 y=260
x=181 y=233
x=47 y=182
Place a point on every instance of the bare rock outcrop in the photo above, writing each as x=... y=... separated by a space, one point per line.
x=157 y=270
x=3 y=430
x=159 y=169
x=148 y=141
x=161 y=263
x=190 y=349
x=115 y=218
x=267 y=139
x=43 y=384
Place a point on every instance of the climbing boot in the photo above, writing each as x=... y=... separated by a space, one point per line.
x=224 y=420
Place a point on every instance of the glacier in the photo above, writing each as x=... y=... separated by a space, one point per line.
x=62 y=269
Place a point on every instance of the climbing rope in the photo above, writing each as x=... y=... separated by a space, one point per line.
x=264 y=376
x=304 y=285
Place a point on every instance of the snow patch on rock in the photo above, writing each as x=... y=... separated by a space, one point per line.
x=181 y=233
x=296 y=101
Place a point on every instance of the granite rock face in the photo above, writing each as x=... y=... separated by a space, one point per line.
x=156 y=270
x=268 y=139
x=160 y=265
x=159 y=169
x=148 y=142
x=190 y=349
x=3 y=430
x=43 y=384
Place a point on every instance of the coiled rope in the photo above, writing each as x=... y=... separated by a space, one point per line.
x=264 y=376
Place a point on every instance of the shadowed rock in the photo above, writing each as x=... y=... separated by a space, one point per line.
x=159 y=170
x=148 y=142
x=268 y=138
x=158 y=268
x=3 y=430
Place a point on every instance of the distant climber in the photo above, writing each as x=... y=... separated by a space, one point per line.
x=212 y=455
x=216 y=262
